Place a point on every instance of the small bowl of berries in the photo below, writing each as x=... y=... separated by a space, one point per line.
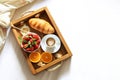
x=30 y=42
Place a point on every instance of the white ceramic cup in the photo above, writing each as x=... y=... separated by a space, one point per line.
x=50 y=44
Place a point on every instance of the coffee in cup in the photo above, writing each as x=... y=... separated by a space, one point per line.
x=50 y=44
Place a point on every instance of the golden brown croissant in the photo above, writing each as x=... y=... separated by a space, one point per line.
x=41 y=25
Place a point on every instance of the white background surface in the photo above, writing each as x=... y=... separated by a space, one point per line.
x=91 y=29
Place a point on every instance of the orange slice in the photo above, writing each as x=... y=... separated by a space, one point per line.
x=34 y=57
x=46 y=57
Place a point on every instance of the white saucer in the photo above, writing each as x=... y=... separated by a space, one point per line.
x=45 y=47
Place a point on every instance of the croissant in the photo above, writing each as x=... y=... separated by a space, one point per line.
x=41 y=25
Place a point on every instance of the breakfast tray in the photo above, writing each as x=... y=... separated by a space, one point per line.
x=43 y=14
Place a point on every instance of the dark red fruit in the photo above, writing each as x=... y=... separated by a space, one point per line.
x=27 y=38
x=38 y=41
x=36 y=37
x=36 y=46
x=28 y=49
x=30 y=34
x=25 y=45
x=31 y=40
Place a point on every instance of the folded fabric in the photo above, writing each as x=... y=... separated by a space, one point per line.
x=7 y=7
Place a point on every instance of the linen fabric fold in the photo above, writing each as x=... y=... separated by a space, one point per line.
x=7 y=9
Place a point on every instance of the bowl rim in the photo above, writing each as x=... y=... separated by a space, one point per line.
x=27 y=34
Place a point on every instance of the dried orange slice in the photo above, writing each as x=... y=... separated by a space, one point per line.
x=34 y=57
x=46 y=57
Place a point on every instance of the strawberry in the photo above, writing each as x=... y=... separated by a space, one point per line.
x=25 y=46
x=30 y=34
x=34 y=43
x=38 y=41
x=29 y=43
x=24 y=41
x=36 y=46
x=32 y=48
x=31 y=40
x=28 y=49
x=27 y=38
x=36 y=37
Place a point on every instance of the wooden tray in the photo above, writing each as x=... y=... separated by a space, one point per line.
x=44 y=14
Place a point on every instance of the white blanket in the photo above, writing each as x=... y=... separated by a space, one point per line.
x=7 y=7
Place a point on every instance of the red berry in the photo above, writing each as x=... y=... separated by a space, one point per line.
x=30 y=34
x=38 y=41
x=32 y=48
x=31 y=40
x=26 y=38
x=28 y=49
x=36 y=46
x=36 y=37
x=25 y=46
